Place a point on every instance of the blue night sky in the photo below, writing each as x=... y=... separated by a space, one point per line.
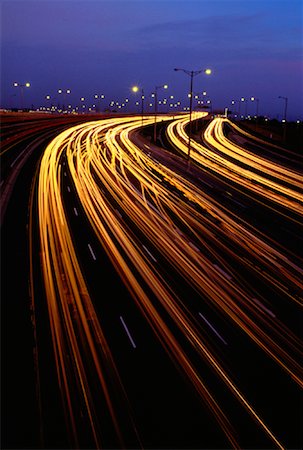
x=91 y=47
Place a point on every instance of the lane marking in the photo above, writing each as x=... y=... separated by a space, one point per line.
x=147 y=251
x=19 y=156
x=92 y=253
x=206 y=183
x=222 y=271
x=119 y=214
x=238 y=203
x=75 y=211
x=68 y=188
x=193 y=246
x=127 y=332
x=213 y=329
x=264 y=308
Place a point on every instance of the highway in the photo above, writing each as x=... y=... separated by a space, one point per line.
x=165 y=298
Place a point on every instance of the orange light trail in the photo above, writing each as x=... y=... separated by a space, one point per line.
x=276 y=183
x=106 y=163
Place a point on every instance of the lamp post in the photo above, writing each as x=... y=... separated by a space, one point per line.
x=61 y=91
x=244 y=100
x=53 y=108
x=209 y=102
x=47 y=97
x=82 y=99
x=21 y=86
x=100 y=96
x=239 y=105
x=254 y=99
x=285 y=112
x=136 y=89
x=192 y=73
x=164 y=86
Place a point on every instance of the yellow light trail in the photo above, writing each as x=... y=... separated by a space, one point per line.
x=276 y=183
x=106 y=163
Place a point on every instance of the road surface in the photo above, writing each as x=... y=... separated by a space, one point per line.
x=165 y=304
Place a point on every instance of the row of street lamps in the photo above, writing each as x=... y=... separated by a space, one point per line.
x=113 y=104
x=155 y=96
x=191 y=73
x=254 y=99
x=135 y=89
x=242 y=99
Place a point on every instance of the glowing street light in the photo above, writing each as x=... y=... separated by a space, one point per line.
x=244 y=100
x=22 y=86
x=192 y=73
x=254 y=99
x=233 y=102
x=64 y=92
x=163 y=86
x=101 y=97
x=136 y=89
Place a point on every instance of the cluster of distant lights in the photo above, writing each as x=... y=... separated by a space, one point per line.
x=113 y=104
x=136 y=89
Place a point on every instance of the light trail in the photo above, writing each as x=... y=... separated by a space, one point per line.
x=257 y=174
x=179 y=224
x=76 y=331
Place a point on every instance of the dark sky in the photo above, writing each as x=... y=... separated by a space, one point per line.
x=91 y=47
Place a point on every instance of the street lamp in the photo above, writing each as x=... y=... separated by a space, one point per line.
x=52 y=106
x=244 y=100
x=164 y=86
x=239 y=105
x=192 y=73
x=47 y=97
x=21 y=86
x=100 y=96
x=82 y=99
x=285 y=112
x=136 y=89
x=61 y=91
x=285 y=108
x=254 y=99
